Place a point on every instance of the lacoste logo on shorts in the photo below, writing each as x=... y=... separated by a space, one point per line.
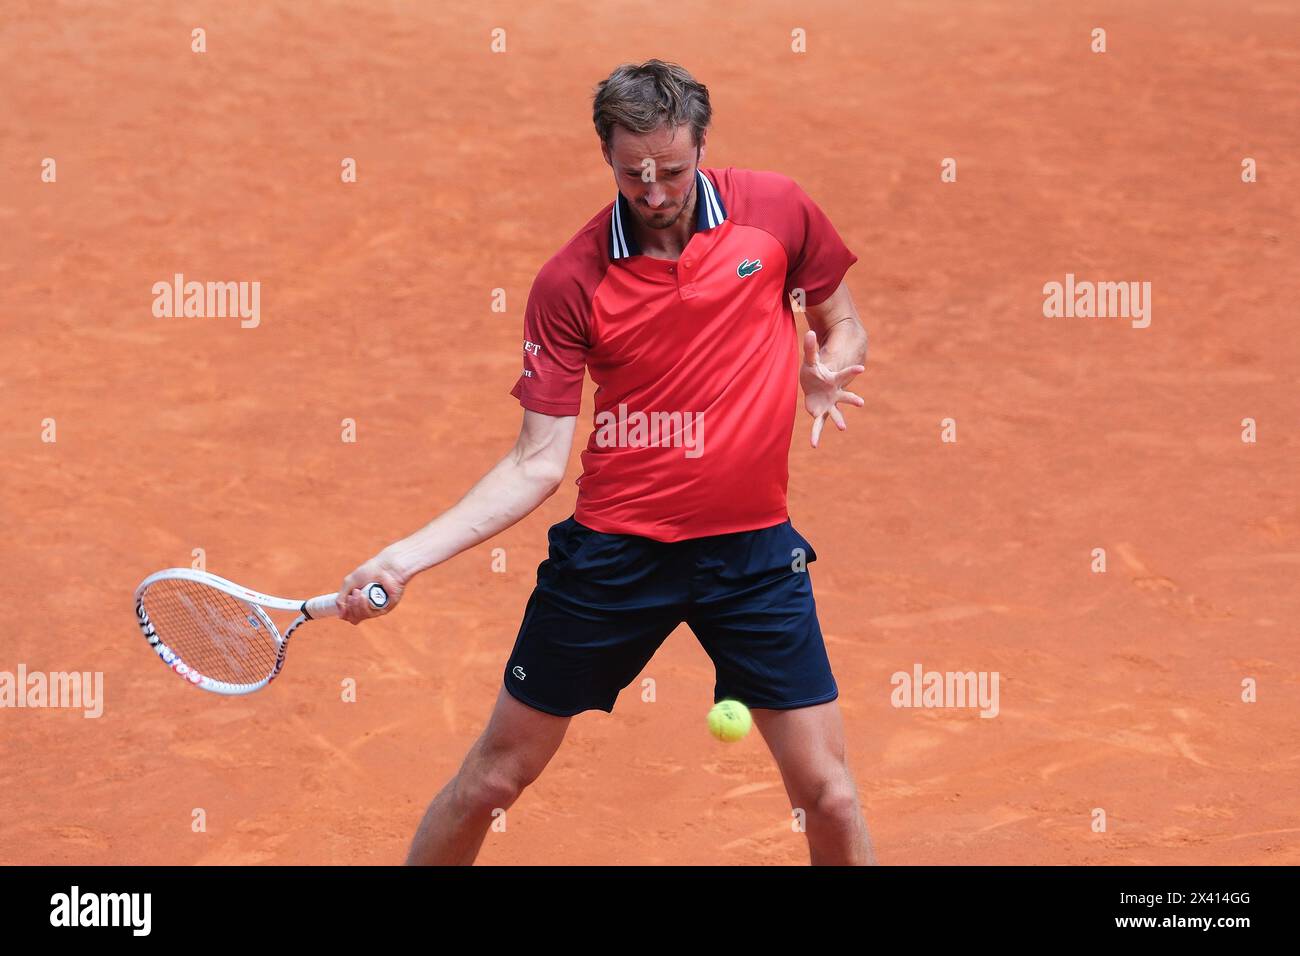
x=747 y=268
x=518 y=671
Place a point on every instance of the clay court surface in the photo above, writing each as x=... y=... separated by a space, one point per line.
x=1120 y=691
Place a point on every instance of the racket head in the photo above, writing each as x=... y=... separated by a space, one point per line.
x=212 y=633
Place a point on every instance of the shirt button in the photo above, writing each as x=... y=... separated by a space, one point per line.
x=687 y=263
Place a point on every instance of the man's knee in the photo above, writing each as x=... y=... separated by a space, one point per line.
x=484 y=789
x=494 y=776
x=512 y=752
x=834 y=799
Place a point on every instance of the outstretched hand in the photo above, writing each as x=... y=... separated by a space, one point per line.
x=823 y=387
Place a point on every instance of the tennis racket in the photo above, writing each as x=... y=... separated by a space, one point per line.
x=216 y=634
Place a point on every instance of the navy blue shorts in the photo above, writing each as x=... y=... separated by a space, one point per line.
x=605 y=602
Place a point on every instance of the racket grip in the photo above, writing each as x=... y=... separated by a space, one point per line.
x=324 y=606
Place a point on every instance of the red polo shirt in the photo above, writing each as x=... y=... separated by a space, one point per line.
x=695 y=360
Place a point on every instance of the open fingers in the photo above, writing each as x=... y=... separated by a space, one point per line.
x=818 y=422
x=844 y=375
x=810 y=352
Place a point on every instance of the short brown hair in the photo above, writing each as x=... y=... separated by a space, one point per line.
x=642 y=98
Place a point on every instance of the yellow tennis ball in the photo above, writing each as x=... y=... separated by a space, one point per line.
x=729 y=720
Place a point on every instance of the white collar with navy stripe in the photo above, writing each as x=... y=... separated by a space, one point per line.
x=709 y=212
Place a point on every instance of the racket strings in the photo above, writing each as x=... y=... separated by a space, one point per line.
x=213 y=633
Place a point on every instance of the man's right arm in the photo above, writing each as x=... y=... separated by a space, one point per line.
x=529 y=474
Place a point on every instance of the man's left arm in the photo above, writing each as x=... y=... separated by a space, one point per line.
x=835 y=350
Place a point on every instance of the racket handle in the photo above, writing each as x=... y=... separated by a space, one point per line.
x=324 y=606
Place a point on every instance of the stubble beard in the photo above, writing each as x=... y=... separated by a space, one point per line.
x=651 y=223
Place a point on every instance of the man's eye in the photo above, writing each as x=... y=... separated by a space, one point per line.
x=660 y=174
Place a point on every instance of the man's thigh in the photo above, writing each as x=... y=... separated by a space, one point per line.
x=603 y=605
x=754 y=614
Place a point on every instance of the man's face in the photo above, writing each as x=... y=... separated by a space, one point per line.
x=670 y=158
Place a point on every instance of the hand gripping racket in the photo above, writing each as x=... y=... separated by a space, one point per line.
x=216 y=634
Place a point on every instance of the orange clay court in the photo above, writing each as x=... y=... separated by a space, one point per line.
x=1120 y=691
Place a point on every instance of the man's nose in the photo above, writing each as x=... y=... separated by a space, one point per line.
x=655 y=197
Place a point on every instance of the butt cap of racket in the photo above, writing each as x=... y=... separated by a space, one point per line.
x=376 y=595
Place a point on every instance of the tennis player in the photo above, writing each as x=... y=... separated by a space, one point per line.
x=677 y=299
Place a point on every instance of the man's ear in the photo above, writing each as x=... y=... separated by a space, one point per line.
x=604 y=151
